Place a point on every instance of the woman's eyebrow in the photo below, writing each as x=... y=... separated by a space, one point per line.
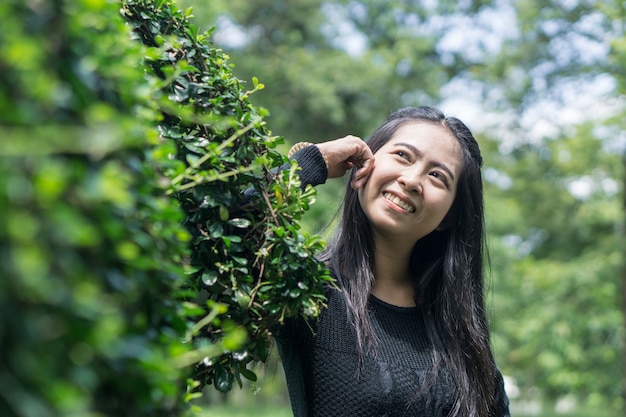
x=418 y=153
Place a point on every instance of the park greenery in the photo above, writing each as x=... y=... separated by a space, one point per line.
x=135 y=272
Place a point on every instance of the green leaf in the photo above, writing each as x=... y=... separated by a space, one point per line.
x=248 y=374
x=209 y=278
x=223 y=379
x=240 y=223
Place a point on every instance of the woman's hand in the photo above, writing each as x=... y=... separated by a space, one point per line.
x=346 y=153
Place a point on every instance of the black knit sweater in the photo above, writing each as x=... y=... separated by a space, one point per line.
x=321 y=362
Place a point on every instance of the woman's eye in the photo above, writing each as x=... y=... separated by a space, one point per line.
x=403 y=154
x=440 y=176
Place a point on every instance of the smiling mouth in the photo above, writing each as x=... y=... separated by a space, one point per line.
x=398 y=202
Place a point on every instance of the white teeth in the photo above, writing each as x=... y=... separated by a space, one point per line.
x=399 y=202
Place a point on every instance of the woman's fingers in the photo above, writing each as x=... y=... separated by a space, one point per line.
x=345 y=153
x=361 y=175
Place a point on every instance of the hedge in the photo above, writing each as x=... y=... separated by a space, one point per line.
x=249 y=257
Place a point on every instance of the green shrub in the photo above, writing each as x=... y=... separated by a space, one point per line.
x=249 y=258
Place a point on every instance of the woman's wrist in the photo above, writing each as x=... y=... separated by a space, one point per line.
x=295 y=148
x=301 y=145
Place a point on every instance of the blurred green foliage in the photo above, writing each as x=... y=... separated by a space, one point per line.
x=556 y=256
x=91 y=249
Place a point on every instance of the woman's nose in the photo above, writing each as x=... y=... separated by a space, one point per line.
x=411 y=182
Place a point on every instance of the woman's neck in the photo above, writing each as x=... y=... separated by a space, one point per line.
x=392 y=280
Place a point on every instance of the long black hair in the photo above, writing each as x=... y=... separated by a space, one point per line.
x=446 y=266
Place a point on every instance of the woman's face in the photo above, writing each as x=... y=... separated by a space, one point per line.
x=414 y=182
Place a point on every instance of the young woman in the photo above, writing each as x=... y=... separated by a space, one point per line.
x=405 y=333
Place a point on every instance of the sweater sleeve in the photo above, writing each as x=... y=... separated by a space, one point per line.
x=313 y=167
